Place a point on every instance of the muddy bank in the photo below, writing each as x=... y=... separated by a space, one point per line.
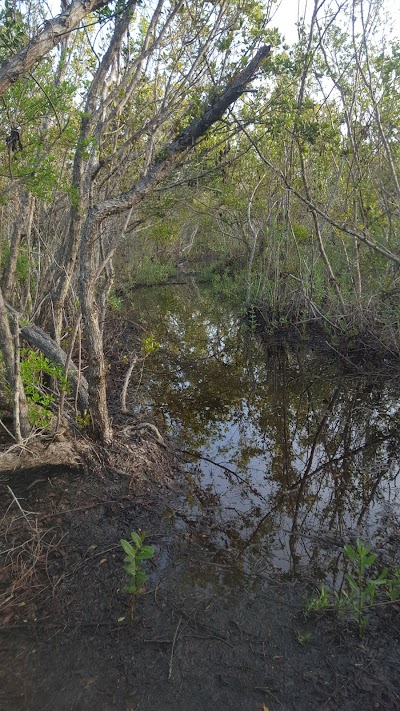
x=208 y=633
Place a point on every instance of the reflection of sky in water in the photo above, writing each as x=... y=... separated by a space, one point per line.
x=310 y=449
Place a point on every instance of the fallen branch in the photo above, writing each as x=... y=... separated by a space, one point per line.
x=37 y=338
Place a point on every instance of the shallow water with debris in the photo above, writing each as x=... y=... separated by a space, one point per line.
x=292 y=455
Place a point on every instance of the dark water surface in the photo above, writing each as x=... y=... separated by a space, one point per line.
x=299 y=455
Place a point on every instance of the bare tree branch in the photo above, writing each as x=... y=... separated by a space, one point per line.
x=52 y=33
x=183 y=142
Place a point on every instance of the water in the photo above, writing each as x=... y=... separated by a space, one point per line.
x=291 y=455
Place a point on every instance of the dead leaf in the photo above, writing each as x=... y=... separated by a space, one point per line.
x=103 y=560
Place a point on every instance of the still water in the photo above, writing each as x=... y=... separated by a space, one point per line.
x=289 y=454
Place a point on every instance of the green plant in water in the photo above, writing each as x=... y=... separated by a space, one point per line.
x=135 y=554
x=361 y=589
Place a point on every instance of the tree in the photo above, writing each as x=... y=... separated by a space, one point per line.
x=161 y=78
x=53 y=32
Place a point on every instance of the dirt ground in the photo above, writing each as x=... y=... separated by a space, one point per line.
x=205 y=635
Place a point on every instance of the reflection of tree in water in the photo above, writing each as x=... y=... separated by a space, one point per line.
x=308 y=448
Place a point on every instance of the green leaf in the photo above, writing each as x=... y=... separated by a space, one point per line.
x=370 y=559
x=145 y=553
x=130 y=569
x=350 y=552
x=352 y=581
x=136 y=538
x=141 y=577
x=127 y=547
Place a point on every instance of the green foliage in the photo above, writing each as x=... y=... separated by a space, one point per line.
x=360 y=587
x=13 y=34
x=149 y=344
x=393 y=586
x=34 y=367
x=301 y=233
x=22 y=266
x=151 y=271
x=113 y=9
x=83 y=421
x=229 y=286
x=135 y=554
x=303 y=637
x=114 y=302
x=316 y=603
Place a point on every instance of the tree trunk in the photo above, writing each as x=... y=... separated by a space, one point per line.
x=22 y=226
x=22 y=427
x=97 y=370
x=53 y=32
x=90 y=240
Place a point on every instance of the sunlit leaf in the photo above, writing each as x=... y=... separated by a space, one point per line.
x=127 y=547
x=136 y=538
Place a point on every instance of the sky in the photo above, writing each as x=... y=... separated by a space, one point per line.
x=288 y=12
x=285 y=17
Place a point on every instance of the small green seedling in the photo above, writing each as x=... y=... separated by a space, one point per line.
x=135 y=554
x=317 y=602
x=393 y=586
x=303 y=637
x=361 y=589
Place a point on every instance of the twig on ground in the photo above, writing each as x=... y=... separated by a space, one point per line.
x=171 y=659
x=24 y=513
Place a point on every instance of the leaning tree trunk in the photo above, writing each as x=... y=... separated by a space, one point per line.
x=90 y=244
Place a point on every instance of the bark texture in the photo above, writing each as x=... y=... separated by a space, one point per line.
x=52 y=33
x=183 y=142
x=11 y=360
